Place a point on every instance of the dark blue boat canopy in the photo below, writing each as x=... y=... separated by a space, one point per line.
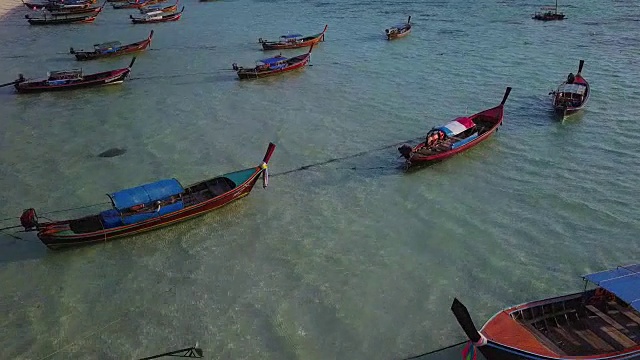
x=273 y=60
x=145 y=194
x=291 y=36
x=623 y=281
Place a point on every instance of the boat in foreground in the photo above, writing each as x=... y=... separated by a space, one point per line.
x=600 y=323
x=148 y=207
x=572 y=95
x=273 y=66
x=72 y=79
x=398 y=31
x=156 y=17
x=550 y=13
x=293 y=41
x=111 y=49
x=459 y=135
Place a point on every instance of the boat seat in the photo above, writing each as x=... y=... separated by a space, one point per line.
x=605 y=317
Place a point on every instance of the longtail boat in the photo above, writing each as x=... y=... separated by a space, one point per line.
x=148 y=207
x=111 y=49
x=60 y=5
x=572 y=95
x=273 y=66
x=63 y=19
x=72 y=79
x=550 y=13
x=161 y=8
x=598 y=323
x=156 y=17
x=134 y=4
x=293 y=41
x=457 y=136
x=76 y=11
x=398 y=31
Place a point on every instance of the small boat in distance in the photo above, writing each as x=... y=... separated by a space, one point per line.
x=273 y=66
x=161 y=8
x=60 y=5
x=550 y=14
x=293 y=41
x=72 y=79
x=63 y=16
x=111 y=49
x=398 y=31
x=457 y=136
x=600 y=323
x=134 y=4
x=156 y=17
x=572 y=95
x=149 y=207
x=76 y=11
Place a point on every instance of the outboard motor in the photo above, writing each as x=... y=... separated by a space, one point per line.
x=21 y=78
x=386 y=31
x=405 y=150
x=29 y=219
x=260 y=41
x=571 y=78
x=71 y=51
x=235 y=67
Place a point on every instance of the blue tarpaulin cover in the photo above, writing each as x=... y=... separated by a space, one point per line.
x=623 y=281
x=292 y=36
x=145 y=194
x=273 y=60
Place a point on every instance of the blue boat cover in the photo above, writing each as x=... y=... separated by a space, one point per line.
x=623 y=281
x=291 y=36
x=273 y=60
x=145 y=194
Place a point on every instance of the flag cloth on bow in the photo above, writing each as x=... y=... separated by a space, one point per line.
x=469 y=352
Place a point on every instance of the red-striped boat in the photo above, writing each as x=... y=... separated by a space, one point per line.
x=596 y=324
x=572 y=95
x=156 y=17
x=111 y=49
x=273 y=66
x=457 y=136
x=293 y=41
x=398 y=31
x=72 y=79
x=149 y=207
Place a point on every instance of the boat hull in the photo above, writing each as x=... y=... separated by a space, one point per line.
x=393 y=36
x=248 y=74
x=57 y=241
x=115 y=77
x=284 y=46
x=126 y=49
x=164 y=19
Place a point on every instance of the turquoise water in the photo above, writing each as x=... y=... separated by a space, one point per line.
x=350 y=260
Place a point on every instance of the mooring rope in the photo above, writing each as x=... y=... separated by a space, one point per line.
x=435 y=351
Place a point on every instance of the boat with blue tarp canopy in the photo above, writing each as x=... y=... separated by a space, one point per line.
x=148 y=207
x=595 y=324
x=112 y=48
x=273 y=65
x=623 y=281
x=292 y=41
x=145 y=194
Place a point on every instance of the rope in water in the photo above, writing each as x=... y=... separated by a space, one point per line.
x=301 y=168
x=435 y=351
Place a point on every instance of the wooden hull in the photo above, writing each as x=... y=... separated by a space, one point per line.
x=57 y=242
x=106 y=78
x=195 y=200
x=562 y=110
x=54 y=21
x=248 y=74
x=505 y=338
x=393 y=36
x=284 y=46
x=490 y=118
x=166 y=18
x=125 y=50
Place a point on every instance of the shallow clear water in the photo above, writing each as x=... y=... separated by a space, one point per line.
x=350 y=260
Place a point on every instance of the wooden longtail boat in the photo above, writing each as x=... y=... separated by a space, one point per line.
x=550 y=14
x=398 y=31
x=293 y=41
x=601 y=323
x=63 y=19
x=86 y=11
x=134 y=4
x=457 y=136
x=111 y=49
x=72 y=79
x=156 y=17
x=572 y=95
x=149 y=207
x=60 y=5
x=273 y=66
x=155 y=8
